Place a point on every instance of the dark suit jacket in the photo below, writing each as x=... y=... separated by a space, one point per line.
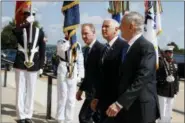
x=92 y=68
x=107 y=90
x=137 y=88
x=39 y=56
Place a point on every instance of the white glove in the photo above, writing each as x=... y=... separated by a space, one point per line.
x=78 y=79
x=175 y=95
x=40 y=71
x=170 y=78
x=30 y=19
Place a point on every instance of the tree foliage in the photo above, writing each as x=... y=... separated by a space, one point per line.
x=8 y=40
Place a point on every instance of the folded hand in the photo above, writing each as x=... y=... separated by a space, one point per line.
x=113 y=110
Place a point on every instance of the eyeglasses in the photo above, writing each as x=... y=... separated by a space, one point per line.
x=28 y=13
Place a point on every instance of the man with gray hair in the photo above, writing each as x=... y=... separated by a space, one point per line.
x=106 y=92
x=137 y=95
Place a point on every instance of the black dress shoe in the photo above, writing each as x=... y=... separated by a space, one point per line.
x=28 y=120
x=21 y=121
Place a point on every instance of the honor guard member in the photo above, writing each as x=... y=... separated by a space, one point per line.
x=167 y=84
x=66 y=86
x=29 y=60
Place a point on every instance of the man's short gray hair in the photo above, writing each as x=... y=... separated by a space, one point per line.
x=114 y=22
x=137 y=18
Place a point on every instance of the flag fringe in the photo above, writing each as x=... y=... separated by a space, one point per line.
x=64 y=8
x=66 y=29
x=159 y=32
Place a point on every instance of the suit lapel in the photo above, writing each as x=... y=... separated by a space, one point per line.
x=113 y=47
x=112 y=50
x=134 y=45
x=91 y=51
x=130 y=56
x=115 y=43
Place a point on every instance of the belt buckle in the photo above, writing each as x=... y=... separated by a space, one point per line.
x=28 y=64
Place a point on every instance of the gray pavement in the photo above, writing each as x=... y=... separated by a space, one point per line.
x=8 y=112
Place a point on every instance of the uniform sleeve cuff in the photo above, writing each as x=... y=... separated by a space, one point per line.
x=119 y=105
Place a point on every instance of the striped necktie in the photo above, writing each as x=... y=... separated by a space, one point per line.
x=106 y=51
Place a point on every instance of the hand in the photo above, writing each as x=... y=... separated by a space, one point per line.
x=78 y=79
x=175 y=95
x=94 y=103
x=113 y=110
x=40 y=71
x=79 y=95
x=30 y=19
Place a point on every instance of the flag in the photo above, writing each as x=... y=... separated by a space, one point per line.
x=157 y=17
x=70 y=9
x=152 y=25
x=118 y=7
x=20 y=6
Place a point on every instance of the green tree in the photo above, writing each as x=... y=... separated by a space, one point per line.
x=8 y=40
x=181 y=51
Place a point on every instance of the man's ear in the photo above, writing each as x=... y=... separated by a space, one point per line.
x=131 y=26
x=117 y=29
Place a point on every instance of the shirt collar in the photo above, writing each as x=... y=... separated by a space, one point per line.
x=92 y=43
x=113 y=40
x=131 y=42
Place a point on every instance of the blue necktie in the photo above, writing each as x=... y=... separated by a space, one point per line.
x=124 y=52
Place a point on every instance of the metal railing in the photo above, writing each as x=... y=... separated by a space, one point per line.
x=7 y=64
x=49 y=94
x=49 y=90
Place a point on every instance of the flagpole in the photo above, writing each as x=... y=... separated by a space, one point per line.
x=31 y=25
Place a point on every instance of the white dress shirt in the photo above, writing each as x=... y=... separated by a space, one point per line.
x=91 y=45
x=132 y=41
x=112 y=41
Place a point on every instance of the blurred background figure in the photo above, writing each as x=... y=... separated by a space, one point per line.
x=167 y=84
x=66 y=85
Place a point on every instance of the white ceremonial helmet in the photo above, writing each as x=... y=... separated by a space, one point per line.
x=169 y=48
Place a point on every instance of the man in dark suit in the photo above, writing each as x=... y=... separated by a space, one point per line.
x=92 y=57
x=137 y=94
x=29 y=60
x=111 y=59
